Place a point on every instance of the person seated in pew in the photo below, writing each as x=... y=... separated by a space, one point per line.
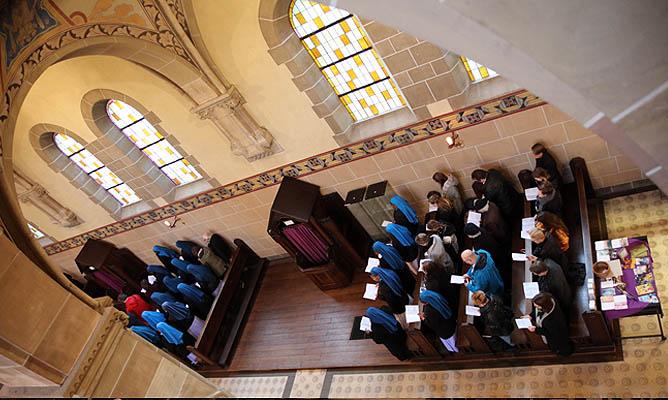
x=386 y=330
x=161 y=297
x=450 y=190
x=134 y=304
x=500 y=191
x=491 y=219
x=484 y=240
x=179 y=340
x=540 y=177
x=545 y=161
x=180 y=316
x=402 y=240
x=482 y=273
x=548 y=199
x=206 y=256
x=435 y=250
x=438 y=316
x=165 y=255
x=186 y=250
x=149 y=334
x=390 y=289
x=444 y=212
x=202 y=274
x=172 y=284
x=158 y=271
x=546 y=245
x=550 y=322
x=218 y=245
x=552 y=224
x=404 y=214
x=199 y=302
x=497 y=318
x=390 y=259
x=152 y=318
x=437 y=279
x=551 y=279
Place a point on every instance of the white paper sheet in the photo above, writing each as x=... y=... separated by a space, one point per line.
x=602 y=256
x=608 y=283
x=151 y=279
x=531 y=194
x=371 y=291
x=620 y=302
x=385 y=223
x=601 y=244
x=372 y=262
x=365 y=324
x=592 y=305
x=433 y=207
x=528 y=224
x=607 y=305
x=530 y=289
x=412 y=314
x=422 y=262
x=473 y=311
x=288 y=222
x=615 y=267
x=474 y=218
x=519 y=257
x=457 y=279
x=143 y=290
x=618 y=243
x=523 y=323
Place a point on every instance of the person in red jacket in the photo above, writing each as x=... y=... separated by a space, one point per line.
x=134 y=304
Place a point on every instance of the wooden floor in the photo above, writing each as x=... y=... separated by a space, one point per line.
x=295 y=325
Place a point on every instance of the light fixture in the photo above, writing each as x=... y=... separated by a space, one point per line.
x=172 y=222
x=453 y=140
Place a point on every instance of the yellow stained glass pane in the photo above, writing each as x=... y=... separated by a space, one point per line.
x=360 y=103
x=476 y=71
x=318 y=22
x=310 y=11
x=344 y=39
x=122 y=114
x=368 y=71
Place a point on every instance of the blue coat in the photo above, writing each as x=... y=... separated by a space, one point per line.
x=485 y=276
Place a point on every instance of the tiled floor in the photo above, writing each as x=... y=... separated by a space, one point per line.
x=643 y=373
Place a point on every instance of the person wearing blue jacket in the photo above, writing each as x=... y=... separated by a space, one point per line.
x=482 y=273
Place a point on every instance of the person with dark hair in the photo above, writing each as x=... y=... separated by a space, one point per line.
x=500 y=191
x=386 y=330
x=545 y=245
x=482 y=273
x=391 y=259
x=435 y=250
x=404 y=214
x=437 y=279
x=403 y=241
x=548 y=199
x=551 y=279
x=540 y=177
x=550 y=322
x=554 y=225
x=526 y=179
x=450 y=187
x=483 y=240
x=390 y=289
x=546 y=161
x=491 y=219
x=496 y=317
x=437 y=314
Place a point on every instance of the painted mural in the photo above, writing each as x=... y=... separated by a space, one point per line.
x=21 y=21
x=103 y=11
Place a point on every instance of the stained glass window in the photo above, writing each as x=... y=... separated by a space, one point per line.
x=96 y=169
x=36 y=233
x=341 y=49
x=477 y=72
x=147 y=138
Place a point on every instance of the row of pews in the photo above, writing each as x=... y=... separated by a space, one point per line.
x=584 y=216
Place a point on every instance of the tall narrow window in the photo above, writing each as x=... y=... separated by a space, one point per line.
x=96 y=169
x=341 y=49
x=36 y=233
x=147 y=138
x=477 y=72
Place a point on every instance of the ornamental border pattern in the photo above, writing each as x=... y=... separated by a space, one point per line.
x=454 y=121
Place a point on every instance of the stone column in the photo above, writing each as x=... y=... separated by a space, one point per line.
x=35 y=194
x=246 y=137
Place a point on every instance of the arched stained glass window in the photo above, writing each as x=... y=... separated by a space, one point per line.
x=36 y=233
x=96 y=169
x=477 y=72
x=147 y=138
x=341 y=49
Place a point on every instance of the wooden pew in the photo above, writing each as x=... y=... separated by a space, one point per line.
x=224 y=324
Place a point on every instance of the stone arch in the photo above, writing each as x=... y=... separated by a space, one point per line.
x=424 y=73
x=169 y=62
x=41 y=139
x=126 y=160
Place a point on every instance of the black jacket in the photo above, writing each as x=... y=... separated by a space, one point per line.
x=400 y=219
x=550 y=248
x=496 y=317
x=405 y=275
x=444 y=328
x=438 y=280
x=487 y=242
x=555 y=329
x=394 y=341
x=494 y=222
x=548 y=163
x=503 y=194
x=556 y=284
x=552 y=204
x=407 y=253
x=396 y=303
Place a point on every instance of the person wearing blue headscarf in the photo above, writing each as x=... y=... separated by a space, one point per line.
x=404 y=214
x=482 y=273
x=390 y=259
x=186 y=247
x=439 y=317
x=201 y=273
x=158 y=271
x=403 y=242
x=178 y=314
x=161 y=297
x=171 y=283
x=173 y=335
x=386 y=330
x=390 y=289
x=165 y=255
x=147 y=333
x=199 y=302
x=153 y=317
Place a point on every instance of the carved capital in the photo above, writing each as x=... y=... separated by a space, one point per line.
x=228 y=102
